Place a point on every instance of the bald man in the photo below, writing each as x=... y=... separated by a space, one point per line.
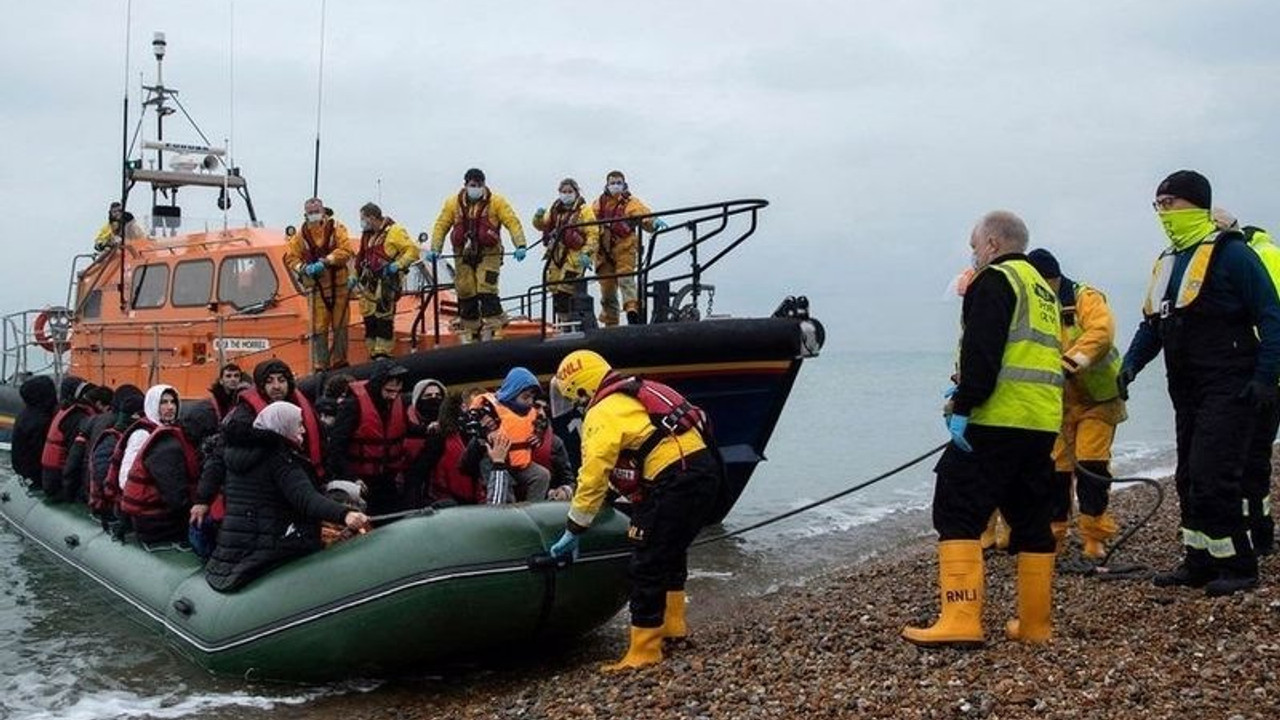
x=1003 y=416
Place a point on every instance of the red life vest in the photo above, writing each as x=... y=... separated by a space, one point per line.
x=315 y=448
x=104 y=487
x=474 y=226
x=542 y=448
x=520 y=428
x=373 y=249
x=312 y=252
x=449 y=481
x=571 y=238
x=141 y=496
x=669 y=412
x=56 y=444
x=414 y=443
x=615 y=208
x=218 y=408
x=117 y=459
x=377 y=448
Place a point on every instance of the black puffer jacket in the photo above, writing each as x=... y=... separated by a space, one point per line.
x=40 y=402
x=273 y=512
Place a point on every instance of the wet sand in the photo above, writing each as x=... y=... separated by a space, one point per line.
x=830 y=649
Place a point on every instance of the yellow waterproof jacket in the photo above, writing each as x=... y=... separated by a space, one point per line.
x=1098 y=329
x=107 y=233
x=498 y=210
x=617 y=423
x=582 y=214
x=326 y=241
x=1268 y=253
x=625 y=205
x=396 y=246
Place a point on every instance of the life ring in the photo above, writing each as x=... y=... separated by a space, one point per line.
x=52 y=329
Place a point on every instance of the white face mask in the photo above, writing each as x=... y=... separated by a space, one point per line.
x=475 y=193
x=615 y=188
x=367 y=224
x=568 y=198
x=315 y=217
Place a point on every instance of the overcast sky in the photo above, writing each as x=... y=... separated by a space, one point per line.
x=878 y=131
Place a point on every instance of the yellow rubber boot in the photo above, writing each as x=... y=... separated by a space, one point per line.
x=988 y=537
x=1095 y=531
x=673 y=622
x=1059 y=530
x=961 y=584
x=1035 y=599
x=646 y=649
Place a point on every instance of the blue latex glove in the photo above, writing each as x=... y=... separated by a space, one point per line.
x=431 y=256
x=539 y=213
x=956 y=425
x=567 y=545
x=660 y=224
x=352 y=282
x=391 y=269
x=519 y=254
x=585 y=259
x=314 y=269
x=951 y=392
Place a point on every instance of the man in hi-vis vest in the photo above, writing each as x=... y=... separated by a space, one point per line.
x=1003 y=416
x=1091 y=408
x=1212 y=309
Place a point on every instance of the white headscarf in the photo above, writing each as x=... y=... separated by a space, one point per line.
x=138 y=438
x=282 y=418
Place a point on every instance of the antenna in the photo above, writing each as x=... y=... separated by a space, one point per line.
x=315 y=178
x=379 y=191
x=124 y=151
x=231 y=84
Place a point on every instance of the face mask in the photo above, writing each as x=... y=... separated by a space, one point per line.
x=366 y=224
x=315 y=217
x=973 y=260
x=1187 y=227
x=474 y=193
x=428 y=408
x=568 y=198
x=615 y=188
x=519 y=407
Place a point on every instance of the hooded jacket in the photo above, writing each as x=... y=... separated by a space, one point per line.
x=72 y=412
x=517 y=381
x=166 y=462
x=40 y=402
x=347 y=423
x=273 y=509
x=98 y=445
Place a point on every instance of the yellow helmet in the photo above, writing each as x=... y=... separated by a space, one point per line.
x=580 y=374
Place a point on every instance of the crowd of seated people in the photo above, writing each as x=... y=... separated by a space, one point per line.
x=259 y=474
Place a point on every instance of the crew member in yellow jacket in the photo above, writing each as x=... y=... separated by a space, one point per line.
x=385 y=255
x=109 y=234
x=318 y=253
x=1092 y=407
x=473 y=220
x=672 y=477
x=569 y=249
x=618 y=253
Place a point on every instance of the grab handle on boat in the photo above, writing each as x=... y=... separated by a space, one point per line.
x=72 y=540
x=547 y=561
x=184 y=607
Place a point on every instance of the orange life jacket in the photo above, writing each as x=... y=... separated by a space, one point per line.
x=141 y=495
x=476 y=226
x=520 y=428
x=56 y=444
x=377 y=448
x=315 y=447
x=615 y=208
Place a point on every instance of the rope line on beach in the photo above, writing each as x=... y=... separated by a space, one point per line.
x=1134 y=528
x=823 y=501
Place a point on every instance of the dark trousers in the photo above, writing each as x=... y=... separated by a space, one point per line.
x=1010 y=470
x=1214 y=427
x=1093 y=496
x=1257 y=478
x=674 y=509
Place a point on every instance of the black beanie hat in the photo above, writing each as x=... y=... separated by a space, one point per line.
x=1190 y=186
x=475 y=174
x=1045 y=263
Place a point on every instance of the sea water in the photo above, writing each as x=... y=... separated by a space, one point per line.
x=66 y=653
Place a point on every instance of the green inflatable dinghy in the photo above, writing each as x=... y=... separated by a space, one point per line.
x=426 y=590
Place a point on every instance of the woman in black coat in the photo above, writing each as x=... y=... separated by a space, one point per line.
x=273 y=509
x=39 y=403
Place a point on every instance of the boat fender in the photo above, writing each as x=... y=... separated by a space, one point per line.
x=184 y=607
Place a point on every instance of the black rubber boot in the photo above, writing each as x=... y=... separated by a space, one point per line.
x=1194 y=571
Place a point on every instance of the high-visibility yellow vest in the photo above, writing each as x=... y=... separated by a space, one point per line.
x=1028 y=392
x=1190 y=285
x=1267 y=252
x=1098 y=381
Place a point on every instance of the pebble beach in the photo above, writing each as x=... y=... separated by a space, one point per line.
x=830 y=649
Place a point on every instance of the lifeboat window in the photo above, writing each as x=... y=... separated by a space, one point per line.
x=192 y=281
x=91 y=307
x=247 y=280
x=149 y=285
